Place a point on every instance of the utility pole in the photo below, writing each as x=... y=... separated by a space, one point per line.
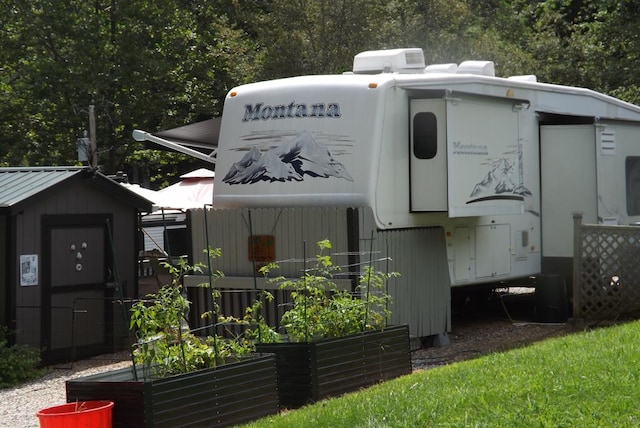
x=93 y=161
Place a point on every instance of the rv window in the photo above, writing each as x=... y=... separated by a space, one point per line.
x=425 y=135
x=632 y=165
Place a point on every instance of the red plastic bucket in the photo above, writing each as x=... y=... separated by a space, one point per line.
x=82 y=414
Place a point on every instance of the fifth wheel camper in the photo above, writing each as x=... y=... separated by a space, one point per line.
x=458 y=176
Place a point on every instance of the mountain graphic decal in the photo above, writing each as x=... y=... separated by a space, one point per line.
x=499 y=183
x=288 y=162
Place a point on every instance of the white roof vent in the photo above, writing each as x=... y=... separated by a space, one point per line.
x=482 y=68
x=441 y=68
x=524 y=78
x=409 y=60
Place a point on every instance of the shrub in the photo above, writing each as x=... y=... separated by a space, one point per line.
x=18 y=363
x=165 y=346
x=321 y=310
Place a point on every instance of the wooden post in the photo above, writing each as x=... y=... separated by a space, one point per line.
x=93 y=160
x=577 y=250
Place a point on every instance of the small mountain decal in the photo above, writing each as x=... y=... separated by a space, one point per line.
x=499 y=181
x=288 y=162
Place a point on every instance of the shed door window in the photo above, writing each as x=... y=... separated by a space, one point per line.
x=425 y=135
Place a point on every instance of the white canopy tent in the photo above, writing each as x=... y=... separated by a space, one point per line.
x=194 y=190
x=160 y=201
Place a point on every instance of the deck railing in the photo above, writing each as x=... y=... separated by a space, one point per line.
x=606 y=270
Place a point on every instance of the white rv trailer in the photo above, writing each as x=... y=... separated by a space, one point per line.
x=461 y=177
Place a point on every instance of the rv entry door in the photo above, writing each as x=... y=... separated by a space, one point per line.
x=428 y=155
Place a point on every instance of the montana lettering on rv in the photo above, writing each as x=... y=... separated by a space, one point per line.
x=260 y=111
x=469 y=149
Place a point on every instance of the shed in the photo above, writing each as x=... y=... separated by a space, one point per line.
x=68 y=257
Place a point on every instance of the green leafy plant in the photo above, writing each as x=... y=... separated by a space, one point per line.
x=18 y=363
x=256 y=327
x=165 y=346
x=320 y=309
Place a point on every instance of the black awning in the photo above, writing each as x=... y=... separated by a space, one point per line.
x=201 y=136
x=199 y=139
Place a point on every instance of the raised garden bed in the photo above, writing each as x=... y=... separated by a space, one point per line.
x=310 y=371
x=222 y=396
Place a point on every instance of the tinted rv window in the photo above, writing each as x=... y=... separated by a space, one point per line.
x=425 y=135
x=633 y=185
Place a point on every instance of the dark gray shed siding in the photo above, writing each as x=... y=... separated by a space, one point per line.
x=4 y=271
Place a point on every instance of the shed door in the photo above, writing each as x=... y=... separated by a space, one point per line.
x=428 y=156
x=77 y=309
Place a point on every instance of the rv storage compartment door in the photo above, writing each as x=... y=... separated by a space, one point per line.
x=484 y=156
x=428 y=165
x=493 y=255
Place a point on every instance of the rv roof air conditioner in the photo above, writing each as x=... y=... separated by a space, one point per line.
x=441 y=68
x=524 y=78
x=482 y=68
x=408 y=60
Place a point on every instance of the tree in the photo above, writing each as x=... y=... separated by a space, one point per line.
x=159 y=64
x=153 y=65
x=318 y=36
x=592 y=44
x=315 y=37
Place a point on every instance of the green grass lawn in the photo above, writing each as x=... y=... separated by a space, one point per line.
x=589 y=379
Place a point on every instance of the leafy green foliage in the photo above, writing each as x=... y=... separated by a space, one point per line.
x=164 y=344
x=18 y=363
x=320 y=309
x=256 y=327
x=150 y=65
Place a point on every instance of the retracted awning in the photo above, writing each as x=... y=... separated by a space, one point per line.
x=199 y=139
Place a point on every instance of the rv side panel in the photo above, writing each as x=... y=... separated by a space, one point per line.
x=618 y=158
x=568 y=182
x=484 y=157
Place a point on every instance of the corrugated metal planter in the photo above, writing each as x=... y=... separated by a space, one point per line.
x=310 y=371
x=222 y=396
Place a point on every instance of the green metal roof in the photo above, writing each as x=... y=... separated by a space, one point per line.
x=19 y=184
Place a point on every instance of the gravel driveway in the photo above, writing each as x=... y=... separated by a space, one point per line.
x=18 y=406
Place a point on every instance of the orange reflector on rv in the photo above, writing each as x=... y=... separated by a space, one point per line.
x=233 y=94
x=373 y=85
